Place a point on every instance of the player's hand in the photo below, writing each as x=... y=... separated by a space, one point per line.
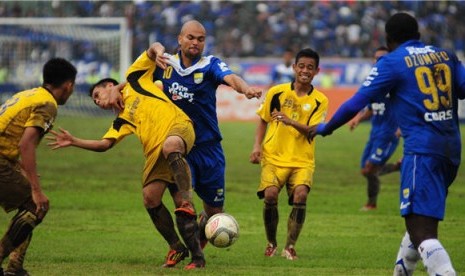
x=253 y=92
x=353 y=124
x=60 y=139
x=42 y=203
x=156 y=52
x=256 y=155
x=280 y=117
x=115 y=99
x=317 y=130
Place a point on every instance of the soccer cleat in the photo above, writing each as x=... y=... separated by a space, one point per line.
x=194 y=264
x=19 y=272
x=368 y=207
x=400 y=269
x=186 y=208
x=270 y=250
x=175 y=256
x=289 y=253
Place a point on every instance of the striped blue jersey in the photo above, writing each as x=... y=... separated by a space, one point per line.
x=193 y=89
x=425 y=83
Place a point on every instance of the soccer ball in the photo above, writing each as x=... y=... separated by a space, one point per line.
x=222 y=230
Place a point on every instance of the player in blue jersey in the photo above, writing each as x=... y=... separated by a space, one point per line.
x=190 y=80
x=425 y=83
x=382 y=142
x=283 y=72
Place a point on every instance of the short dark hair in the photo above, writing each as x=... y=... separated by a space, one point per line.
x=310 y=53
x=102 y=82
x=402 y=27
x=57 y=71
x=382 y=48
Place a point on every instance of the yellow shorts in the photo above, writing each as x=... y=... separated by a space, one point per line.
x=15 y=189
x=290 y=177
x=156 y=165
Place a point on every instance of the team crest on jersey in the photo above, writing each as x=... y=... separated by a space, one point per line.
x=198 y=78
x=306 y=107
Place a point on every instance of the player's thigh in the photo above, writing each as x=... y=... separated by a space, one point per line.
x=299 y=183
x=382 y=150
x=272 y=176
x=185 y=132
x=15 y=190
x=424 y=185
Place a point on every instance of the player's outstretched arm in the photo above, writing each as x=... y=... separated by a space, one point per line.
x=239 y=84
x=64 y=139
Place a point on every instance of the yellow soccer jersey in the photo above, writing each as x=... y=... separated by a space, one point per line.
x=148 y=113
x=283 y=145
x=30 y=108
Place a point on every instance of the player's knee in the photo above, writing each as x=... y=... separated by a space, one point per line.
x=173 y=144
x=22 y=225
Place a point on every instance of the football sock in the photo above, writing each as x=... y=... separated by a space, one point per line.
x=407 y=257
x=271 y=218
x=435 y=258
x=202 y=223
x=16 y=258
x=163 y=221
x=182 y=175
x=372 y=188
x=295 y=222
x=19 y=230
x=189 y=231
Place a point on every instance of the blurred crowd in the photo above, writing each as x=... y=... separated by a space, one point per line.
x=264 y=28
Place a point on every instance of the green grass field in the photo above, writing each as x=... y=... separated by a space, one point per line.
x=97 y=224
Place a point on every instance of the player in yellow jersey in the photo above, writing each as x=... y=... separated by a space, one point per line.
x=167 y=135
x=284 y=150
x=24 y=119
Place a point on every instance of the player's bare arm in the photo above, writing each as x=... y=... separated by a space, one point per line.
x=64 y=139
x=239 y=84
x=283 y=118
x=27 y=147
x=256 y=154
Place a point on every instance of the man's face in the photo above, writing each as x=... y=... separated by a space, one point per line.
x=68 y=88
x=101 y=94
x=192 y=41
x=305 y=70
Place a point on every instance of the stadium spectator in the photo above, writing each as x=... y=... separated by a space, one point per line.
x=24 y=119
x=382 y=143
x=266 y=28
x=284 y=150
x=424 y=96
x=190 y=80
x=167 y=135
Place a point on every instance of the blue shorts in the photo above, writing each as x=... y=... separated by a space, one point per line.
x=207 y=165
x=378 y=151
x=425 y=181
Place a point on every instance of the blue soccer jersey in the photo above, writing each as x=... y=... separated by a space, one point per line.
x=383 y=121
x=193 y=89
x=424 y=83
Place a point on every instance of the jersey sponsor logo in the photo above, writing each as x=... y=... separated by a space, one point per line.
x=198 y=78
x=180 y=92
x=438 y=116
